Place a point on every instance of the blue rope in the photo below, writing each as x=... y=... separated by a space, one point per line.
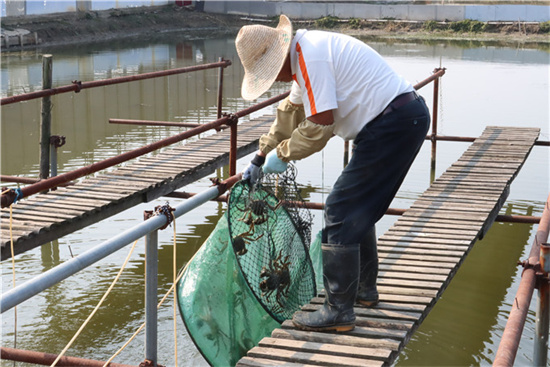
x=18 y=194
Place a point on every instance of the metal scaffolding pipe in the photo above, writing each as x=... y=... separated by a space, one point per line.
x=152 y=123
x=53 y=276
x=151 y=297
x=77 y=86
x=46 y=359
x=437 y=74
x=509 y=343
x=391 y=211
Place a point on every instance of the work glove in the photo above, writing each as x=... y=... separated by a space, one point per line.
x=252 y=171
x=274 y=164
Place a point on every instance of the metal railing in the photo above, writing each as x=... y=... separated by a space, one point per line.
x=535 y=275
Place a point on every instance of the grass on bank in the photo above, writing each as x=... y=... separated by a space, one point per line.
x=458 y=27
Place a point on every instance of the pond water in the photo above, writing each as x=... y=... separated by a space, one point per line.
x=484 y=85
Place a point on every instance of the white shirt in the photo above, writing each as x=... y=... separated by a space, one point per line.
x=340 y=73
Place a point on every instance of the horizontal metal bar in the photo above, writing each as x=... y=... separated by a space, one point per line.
x=155 y=123
x=390 y=211
x=78 y=86
x=46 y=359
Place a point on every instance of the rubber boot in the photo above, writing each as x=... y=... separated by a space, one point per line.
x=340 y=275
x=367 y=295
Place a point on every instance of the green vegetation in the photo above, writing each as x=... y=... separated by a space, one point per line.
x=430 y=25
x=468 y=25
x=544 y=27
x=327 y=22
x=355 y=23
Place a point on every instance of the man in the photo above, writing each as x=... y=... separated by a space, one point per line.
x=340 y=87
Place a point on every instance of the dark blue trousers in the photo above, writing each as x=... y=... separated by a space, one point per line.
x=383 y=153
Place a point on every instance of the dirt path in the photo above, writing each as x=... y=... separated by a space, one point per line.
x=95 y=26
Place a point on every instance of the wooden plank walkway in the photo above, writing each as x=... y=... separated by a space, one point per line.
x=46 y=217
x=419 y=255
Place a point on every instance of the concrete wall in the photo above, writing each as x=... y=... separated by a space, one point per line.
x=404 y=11
x=34 y=7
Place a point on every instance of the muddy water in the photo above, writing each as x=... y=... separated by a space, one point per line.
x=484 y=85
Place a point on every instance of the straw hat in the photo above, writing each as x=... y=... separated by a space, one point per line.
x=262 y=51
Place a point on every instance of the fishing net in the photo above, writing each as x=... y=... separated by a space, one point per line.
x=270 y=232
x=223 y=304
x=220 y=313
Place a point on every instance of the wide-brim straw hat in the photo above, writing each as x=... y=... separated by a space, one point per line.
x=262 y=51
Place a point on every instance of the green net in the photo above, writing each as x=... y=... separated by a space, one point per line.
x=221 y=315
x=231 y=295
x=270 y=232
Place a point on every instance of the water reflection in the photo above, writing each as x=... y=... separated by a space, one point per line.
x=468 y=313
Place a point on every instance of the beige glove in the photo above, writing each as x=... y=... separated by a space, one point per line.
x=288 y=118
x=306 y=139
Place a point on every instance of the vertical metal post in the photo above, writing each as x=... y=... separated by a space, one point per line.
x=53 y=160
x=220 y=89
x=45 y=125
x=233 y=150
x=540 y=354
x=434 y=126
x=151 y=283
x=56 y=141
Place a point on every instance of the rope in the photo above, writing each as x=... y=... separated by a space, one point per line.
x=13 y=273
x=175 y=301
x=97 y=307
x=158 y=306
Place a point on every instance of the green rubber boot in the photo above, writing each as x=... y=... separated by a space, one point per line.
x=340 y=274
x=367 y=295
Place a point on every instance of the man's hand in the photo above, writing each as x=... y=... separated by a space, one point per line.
x=274 y=164
x=252 y=171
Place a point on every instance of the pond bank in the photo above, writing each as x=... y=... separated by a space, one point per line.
x=145 y=22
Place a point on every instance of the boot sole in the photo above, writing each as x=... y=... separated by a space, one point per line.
x=337 y=328
x=368 y=303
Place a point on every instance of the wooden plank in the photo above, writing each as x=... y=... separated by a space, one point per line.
x=314 y=358
x=404 y=275
x=261 y=362
x=338 y=339
x=416 y=250
x=331 y=349
x=431 y=241
x=427 y=269
x=415 y=259
x=375 y=313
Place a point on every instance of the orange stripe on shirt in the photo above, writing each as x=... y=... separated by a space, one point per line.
x=303 y=69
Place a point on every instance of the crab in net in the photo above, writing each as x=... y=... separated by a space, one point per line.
x=242 y=240
x=277 y=279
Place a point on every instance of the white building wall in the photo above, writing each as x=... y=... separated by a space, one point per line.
x=37 y=7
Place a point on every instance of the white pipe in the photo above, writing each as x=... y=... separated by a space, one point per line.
x=53 y=276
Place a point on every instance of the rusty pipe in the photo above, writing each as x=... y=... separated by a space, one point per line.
x=30 y=356
x=7 y=198
x=152 y=123
x=509 y=343
x=439 y=72
x=391 y=211
x=77 y=86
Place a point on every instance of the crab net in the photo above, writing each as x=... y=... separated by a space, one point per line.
x=222 y=302
x=270 y=233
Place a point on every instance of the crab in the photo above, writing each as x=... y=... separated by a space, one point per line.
x=277 y=279
x=240 y=241
x=258 y=212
